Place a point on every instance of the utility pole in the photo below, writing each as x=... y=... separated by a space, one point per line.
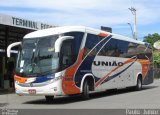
x=133 y=10
x=131 y=29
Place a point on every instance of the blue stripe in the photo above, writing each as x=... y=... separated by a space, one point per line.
x=86 y=64
x=41 y=79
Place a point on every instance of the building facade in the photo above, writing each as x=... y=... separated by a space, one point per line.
x=13 y=29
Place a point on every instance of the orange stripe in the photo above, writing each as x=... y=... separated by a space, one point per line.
x=145 y=67
x=68 y=84
x=103 y=34
x=20 y=79
x=105 y=77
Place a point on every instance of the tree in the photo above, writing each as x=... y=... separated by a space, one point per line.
x=152 y=38
x=156 y=56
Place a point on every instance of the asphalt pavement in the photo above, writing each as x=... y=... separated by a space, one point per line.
x=147 y=98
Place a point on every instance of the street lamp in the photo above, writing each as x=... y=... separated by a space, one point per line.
x=133 y=10
x=131 y=29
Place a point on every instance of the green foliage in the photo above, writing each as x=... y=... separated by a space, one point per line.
x=156 y=56
x=152 y=38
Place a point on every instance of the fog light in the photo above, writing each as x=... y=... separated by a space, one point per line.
x=55 y=88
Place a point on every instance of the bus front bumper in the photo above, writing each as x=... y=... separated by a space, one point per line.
x=53 y=89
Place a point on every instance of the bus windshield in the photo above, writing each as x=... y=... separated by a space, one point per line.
x=37 y=57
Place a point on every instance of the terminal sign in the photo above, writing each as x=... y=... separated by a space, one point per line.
x=23 y=23
x=29 y=24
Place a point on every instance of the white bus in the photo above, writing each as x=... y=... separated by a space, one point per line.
x=76 y=60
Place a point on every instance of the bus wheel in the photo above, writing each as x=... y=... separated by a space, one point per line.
x=139 y=84
x=85 y=92
x=49 y=98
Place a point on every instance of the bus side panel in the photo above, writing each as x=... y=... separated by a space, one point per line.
x=115 y=72
x=68 y=84
x=147 y=72
x=149 y=77
x=92 y=46
x=147 y=66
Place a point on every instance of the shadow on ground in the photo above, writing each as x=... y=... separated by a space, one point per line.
x=77 y=98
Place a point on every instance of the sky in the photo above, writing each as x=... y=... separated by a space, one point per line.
x=91 y=13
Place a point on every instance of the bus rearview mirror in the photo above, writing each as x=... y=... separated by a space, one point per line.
x=10 y=47
x=59 y=42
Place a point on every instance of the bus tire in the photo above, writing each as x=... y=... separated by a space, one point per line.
x=49 y=98
x=85 y=92
x=139 y=84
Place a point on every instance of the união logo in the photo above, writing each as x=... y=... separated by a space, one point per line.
x=107 y=63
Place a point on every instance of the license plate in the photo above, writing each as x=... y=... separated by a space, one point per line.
x=32 y=91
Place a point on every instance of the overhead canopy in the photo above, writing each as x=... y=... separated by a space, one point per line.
x=12 y=29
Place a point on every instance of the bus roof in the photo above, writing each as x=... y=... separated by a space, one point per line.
x=64 y=29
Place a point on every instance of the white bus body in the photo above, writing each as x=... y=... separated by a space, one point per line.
x=76 y=59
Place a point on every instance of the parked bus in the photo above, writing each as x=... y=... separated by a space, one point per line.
x=77 y=60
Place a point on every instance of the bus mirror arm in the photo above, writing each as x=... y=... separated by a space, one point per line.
x=59 y=42
x=10 y=47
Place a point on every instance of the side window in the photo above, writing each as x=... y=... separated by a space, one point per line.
x=78 y=36
x=141 y=51
x=148 y=52
x=110 y=49
x=91 y=41
x=70 y=49
x=115 y=48
x=131 y=50
x=67 y=54
x=123 y=48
